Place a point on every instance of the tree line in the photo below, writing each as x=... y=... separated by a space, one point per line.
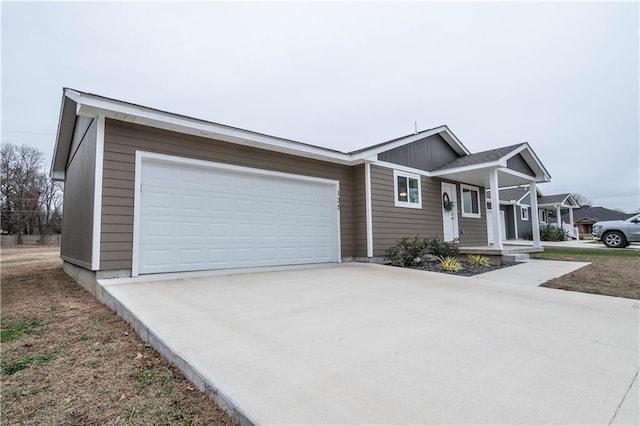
x=30 y=202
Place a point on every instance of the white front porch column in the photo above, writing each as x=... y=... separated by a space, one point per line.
x=571 y=216
x=495 y=209
x=515 y=220
x=535 y=222
x=558 y=218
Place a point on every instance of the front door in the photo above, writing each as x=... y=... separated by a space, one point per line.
x=449 y=212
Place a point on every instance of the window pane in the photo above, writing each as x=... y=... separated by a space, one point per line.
x=470 y=201
x=474 y=202
x=413 y=191
x=466 y=201
x=402 y=188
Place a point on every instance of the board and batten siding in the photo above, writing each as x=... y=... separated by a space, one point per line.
x=426 y=154
x=391 y=223
x=519 y=164
x=77 y=221
x=123 y=139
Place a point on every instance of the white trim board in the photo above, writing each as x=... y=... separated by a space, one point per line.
x=171 y=159
x=479 y=198
x=97 y=196
x=369 y=213
x=407 y=204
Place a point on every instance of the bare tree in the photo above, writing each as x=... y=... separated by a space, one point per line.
x=582 y=200
x=28 y=198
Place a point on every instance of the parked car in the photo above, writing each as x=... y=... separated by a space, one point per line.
x=618 y=233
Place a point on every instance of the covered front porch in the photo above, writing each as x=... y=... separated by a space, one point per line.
x=511 y=166
x=555 y=205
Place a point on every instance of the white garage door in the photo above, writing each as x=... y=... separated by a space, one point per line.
x=193 y=217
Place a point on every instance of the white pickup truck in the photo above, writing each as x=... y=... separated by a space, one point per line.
x=617 y=233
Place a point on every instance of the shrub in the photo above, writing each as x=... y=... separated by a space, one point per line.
x=415 y=251
x=551 y=233
x=548 y=233
x=478 y=260
x=407 y=252
x=449 y=263
x=441 y=248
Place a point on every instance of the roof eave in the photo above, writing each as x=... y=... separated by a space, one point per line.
x=64 y=135
x=93 y=105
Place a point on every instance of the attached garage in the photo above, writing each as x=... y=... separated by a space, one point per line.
x=194 y=215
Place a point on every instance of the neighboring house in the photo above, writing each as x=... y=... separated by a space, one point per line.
x=147 y=191
x=516 y=215
x=585 y=217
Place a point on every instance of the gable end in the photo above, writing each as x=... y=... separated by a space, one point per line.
x=426 y=154
x=519 y=164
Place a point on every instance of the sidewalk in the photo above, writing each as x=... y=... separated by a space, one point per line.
x=532 y=272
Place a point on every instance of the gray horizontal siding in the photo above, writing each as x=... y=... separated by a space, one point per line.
x=473 y=231
x=77 y=221
x=391 y=223
x=426 y=154
x=123 y=139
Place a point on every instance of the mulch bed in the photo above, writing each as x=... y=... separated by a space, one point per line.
x=468 y=270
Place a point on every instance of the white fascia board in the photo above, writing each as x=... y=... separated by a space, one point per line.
x=454 y=142
x=90 y=105
x=64 y=134
x=401 y=168
x=492 y=164
x=528 y=151
x=537 y=178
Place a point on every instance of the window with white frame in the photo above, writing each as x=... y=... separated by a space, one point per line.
x=470 y=196
x=407 y=190
x=542 y=213
x=524 y=213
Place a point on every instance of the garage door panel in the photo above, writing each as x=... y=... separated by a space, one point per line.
x=213 y=218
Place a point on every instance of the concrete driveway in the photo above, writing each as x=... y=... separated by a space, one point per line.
x=370 y=344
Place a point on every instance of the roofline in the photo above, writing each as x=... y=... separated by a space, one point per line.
x=75 y=102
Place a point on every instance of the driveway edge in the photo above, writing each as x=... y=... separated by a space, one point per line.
x=192 y=374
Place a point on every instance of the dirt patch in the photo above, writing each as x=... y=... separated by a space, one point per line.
x=610 y=273
x=80 y=364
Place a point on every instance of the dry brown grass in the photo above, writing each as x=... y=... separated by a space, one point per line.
x=613 y=272
x=80 y=364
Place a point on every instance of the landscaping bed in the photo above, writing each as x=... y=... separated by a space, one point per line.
x=468 y=270
x=435 y=255
x=67 y=359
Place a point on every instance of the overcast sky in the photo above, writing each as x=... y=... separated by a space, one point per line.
x=562 y=76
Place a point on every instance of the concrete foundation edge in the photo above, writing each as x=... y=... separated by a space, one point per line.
x=87 y=280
